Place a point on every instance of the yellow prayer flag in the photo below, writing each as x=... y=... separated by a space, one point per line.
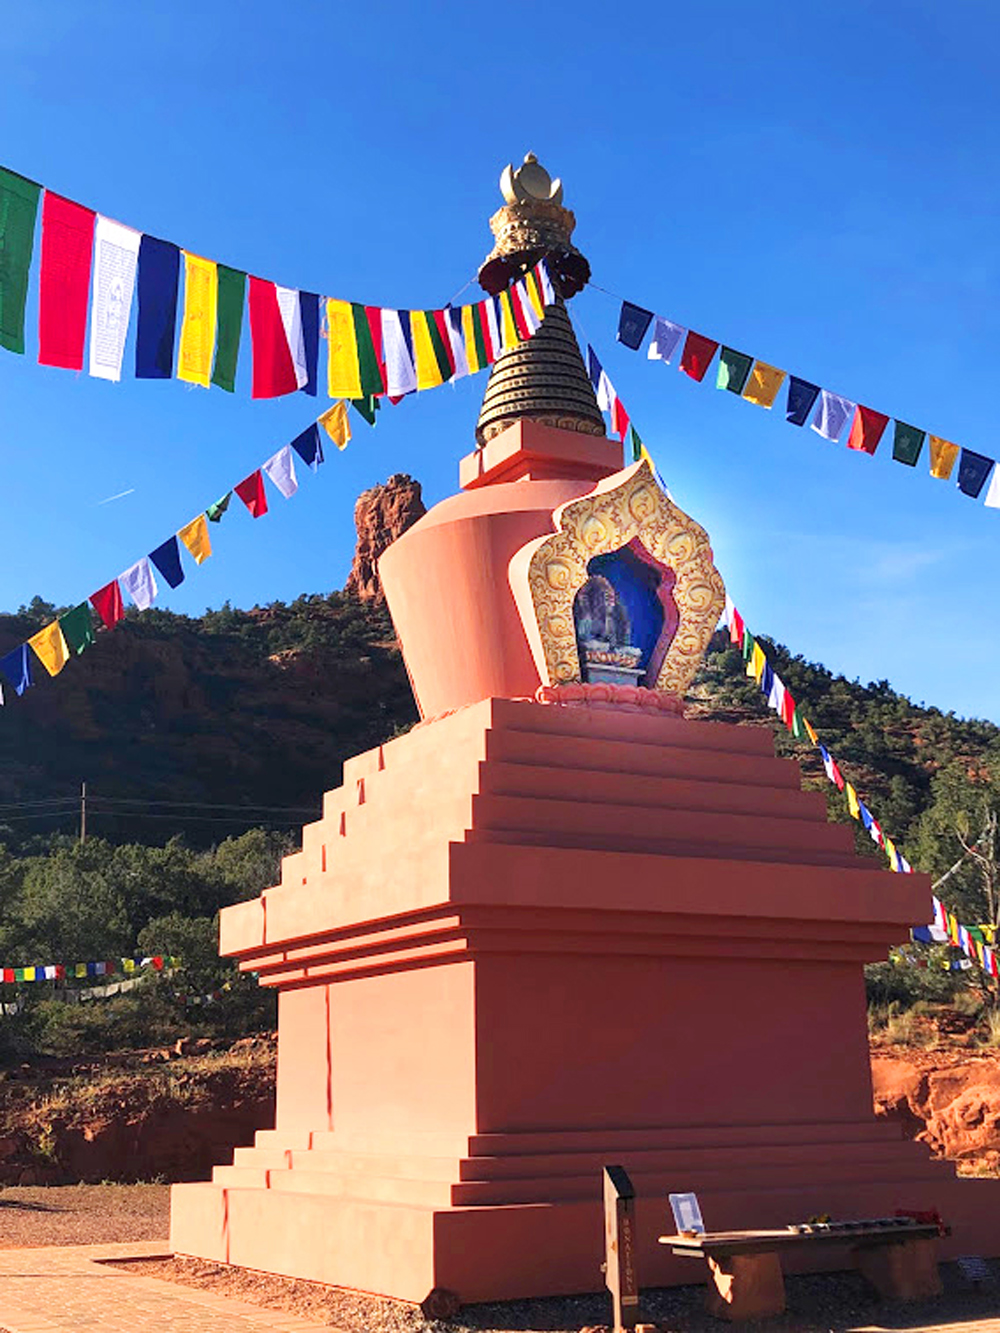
x=645 y=454
x=29 y=974
x=469 y=338
x=810 y=732
x=943 y=455
x=80 y=970
x=757 y=663
x=890 y=850
x=763 y=384
x=195 y=537
x=334 y=422
x=428 y=371
x=201 y=299
x=508 y=328
x=128 y=964
x=534 y=293
x=50 y=648
x=852 y=801
x=344 y=369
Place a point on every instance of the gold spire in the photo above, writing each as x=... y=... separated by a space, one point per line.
x=543 y=378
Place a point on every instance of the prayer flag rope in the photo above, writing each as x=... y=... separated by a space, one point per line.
x=73 y=632
x=90 y=267
x=66 y=971
x=758 y=382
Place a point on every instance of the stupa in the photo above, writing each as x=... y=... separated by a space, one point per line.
x=557 y=925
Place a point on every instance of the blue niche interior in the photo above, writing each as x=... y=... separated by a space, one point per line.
x=625 y=617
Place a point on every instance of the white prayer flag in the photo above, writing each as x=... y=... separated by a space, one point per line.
x=666 y=336
x=992 y=500
x=832 y=415
x=400 y=375
x=531 y=315
x=776 y=699
x=291 y=318
x=606 y=395
x=116 y=253
x=280 y=467
x=491 y=320
x=453 y=323
x=548 y=291
x=139 y=583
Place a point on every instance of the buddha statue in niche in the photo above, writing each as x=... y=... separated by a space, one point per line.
x=624 y=617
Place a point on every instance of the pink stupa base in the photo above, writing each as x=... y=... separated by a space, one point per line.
x=526 y=940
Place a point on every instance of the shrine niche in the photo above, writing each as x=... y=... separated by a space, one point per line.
x=625 y=591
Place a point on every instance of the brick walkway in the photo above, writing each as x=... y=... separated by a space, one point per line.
x=63 y=1290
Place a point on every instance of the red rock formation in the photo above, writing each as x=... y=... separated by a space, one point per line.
x=381 y=514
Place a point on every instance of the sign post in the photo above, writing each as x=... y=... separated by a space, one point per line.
x=619 y=1247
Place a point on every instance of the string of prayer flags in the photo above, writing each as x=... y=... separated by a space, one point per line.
x=251 y=492
x=632 y=325
x=195 y=537
x=780 y=699
x=78 y=971
x=866 y=429
x=230 y=299
x=763 y=384
x=18 y=215
x=116 y=256
x=697 y=355
x=159 y=274
x=198 y=324
x=973 y=469
x=801 y=397
x=140 y=584
x=107 y=602
x=167 y=559
x=280 y=467
x=49 y=647
x=64 y=281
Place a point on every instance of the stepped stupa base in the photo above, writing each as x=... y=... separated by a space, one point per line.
x=527 y=940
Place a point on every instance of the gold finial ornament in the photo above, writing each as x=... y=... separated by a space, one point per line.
x=533 y=225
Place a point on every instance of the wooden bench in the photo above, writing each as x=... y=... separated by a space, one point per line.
x=898 y=1257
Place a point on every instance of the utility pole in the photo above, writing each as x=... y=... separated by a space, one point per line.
x=83 y=812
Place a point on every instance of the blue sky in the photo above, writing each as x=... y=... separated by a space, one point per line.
x=813 y=185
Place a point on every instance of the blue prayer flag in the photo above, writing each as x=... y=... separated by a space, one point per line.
x=973 y=469
x=309 y=310
x=594 y=368
x=167 y=559
x=16 y=666
x=309 y=446
x=801 y=396
x=632 y=325
x=159 y=269
x=866 y=814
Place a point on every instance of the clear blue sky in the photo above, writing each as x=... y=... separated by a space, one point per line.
x=815 y=185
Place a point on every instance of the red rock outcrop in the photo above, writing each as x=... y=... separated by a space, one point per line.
x=949 y=1100
x=381 y=514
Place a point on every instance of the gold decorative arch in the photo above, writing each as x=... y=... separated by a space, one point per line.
x=546 y=573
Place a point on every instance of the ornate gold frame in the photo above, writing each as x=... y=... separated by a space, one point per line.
x=546 y=573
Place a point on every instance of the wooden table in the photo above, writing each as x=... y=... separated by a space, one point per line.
x=899 y=1258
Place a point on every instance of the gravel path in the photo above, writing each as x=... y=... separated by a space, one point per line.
x=82 y=1214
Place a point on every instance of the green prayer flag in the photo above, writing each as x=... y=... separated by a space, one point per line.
x=477 y=336
x=366 y=407
x=907 y=443
x=371 y=375
x=734 y=369
x=18 y=973
x=748 y=642
x=437 y=342
x=18 y=211
x=636 y=444
x=78 y=628
x=232 y=293
x=214 y=512
x=798 y=724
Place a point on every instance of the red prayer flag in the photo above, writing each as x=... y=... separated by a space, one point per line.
x=107 y=602
x=836 y=774
x=441 y=324
x=8 y=974
x=788 y=710
x=736 y=627
x=484 y=324
x=64 y=282
x=697 y=355
x=373 y=314
x=619 y=418
x=866 y=429
x=273 y=370
x=251 y=492
x=520 y=321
